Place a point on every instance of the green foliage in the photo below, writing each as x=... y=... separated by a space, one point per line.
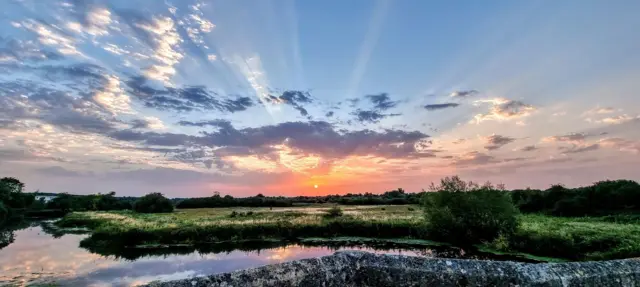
x=585 y=238
x=4 y=213
x=13 y=184
x=466 y=213
x=333 y=212
x=602 y=198
x=153 y=203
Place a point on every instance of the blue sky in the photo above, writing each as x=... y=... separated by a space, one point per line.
x=242 y=97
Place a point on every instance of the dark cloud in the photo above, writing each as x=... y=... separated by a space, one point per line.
x=185 y=99
x=371 y=116
x=296 y=99
x=529 y=148
x=496 y=141
x=434 y=107
x=313 y=137
x=382 y=101
x=329 y=114
x=463 y=94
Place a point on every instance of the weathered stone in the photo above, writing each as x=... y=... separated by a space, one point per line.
x=352 y=268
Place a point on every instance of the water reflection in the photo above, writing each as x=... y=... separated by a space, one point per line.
x=37 y=256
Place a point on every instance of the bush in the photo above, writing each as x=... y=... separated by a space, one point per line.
x=233 y=214
x=333 y=212
x=153 y=203
x=466 y=213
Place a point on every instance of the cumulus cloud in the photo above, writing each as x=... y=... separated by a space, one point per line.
x=496 y=141
x=504 y=110
x=434 y=107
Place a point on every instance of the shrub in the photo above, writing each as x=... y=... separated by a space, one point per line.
x=466 y=213
x=333 y=212
x=233 y=214
x=249 y=213
x=153 y=203
x=410 y=209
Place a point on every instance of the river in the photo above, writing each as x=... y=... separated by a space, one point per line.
x=36 y=256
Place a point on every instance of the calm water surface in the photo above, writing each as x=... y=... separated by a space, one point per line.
x=37 y=257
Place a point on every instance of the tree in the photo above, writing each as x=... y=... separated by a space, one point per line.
x=153 y=203
x=13 y=183
x=467 y=213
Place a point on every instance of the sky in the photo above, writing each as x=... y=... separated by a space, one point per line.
x=289 y=97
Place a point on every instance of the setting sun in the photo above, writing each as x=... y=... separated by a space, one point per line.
x=315 y=186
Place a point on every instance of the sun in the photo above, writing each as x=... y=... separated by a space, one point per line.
x=315 y=186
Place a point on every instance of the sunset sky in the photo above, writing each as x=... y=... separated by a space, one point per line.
x=316 y=97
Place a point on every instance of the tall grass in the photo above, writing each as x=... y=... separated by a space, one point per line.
x=214 y=225
x=571 y=238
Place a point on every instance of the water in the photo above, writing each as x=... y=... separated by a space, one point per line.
x=37 y=256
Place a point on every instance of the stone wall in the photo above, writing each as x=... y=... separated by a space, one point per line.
x=353 y=268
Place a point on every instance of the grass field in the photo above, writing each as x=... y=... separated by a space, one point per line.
x=572 y=238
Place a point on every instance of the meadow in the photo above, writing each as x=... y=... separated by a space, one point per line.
x=585 y=238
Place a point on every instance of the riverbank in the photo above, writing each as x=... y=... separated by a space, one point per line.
x=569 y=238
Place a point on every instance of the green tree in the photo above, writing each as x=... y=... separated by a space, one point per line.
x=153 y=203
x=467 y=213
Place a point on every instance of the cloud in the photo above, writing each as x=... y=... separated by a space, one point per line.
x=214 y=123
x=529 y=148
x=353 y=102
x=463 y=94
x=621 y=144
x=26 y=100
x=161 y=32
x=573 y=138
x=504 y=110
x=496 y=141
x=93 y=20
x=599 y=111
x=52 y=36
x=113 y=98
x=618 y=119
x=185 y=99
x=329 y=114
x=581 y=149
x=315 y=137
x=296 y=99
x=473 y=158
x=19 y=51
x=382 y=101
x=371 y=116
x=434 y=107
